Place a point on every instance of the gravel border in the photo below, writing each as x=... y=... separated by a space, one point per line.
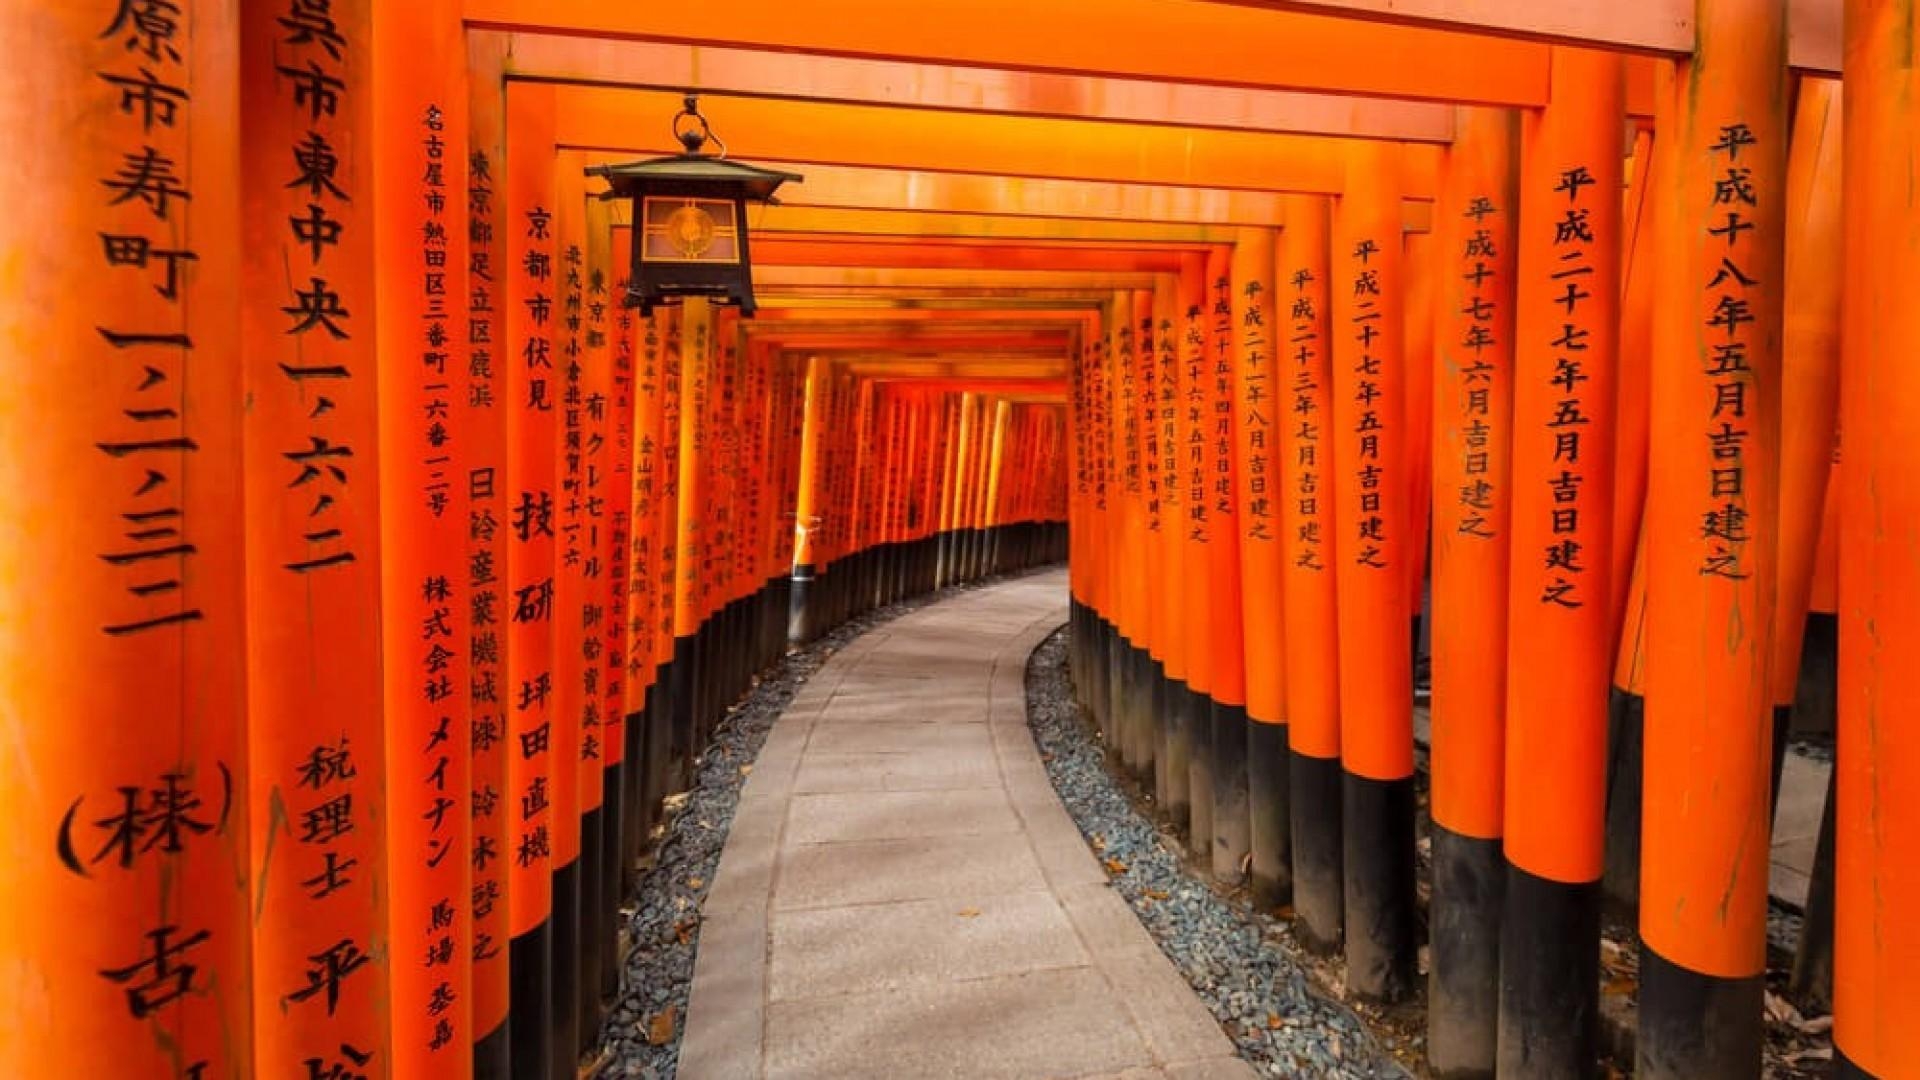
x=663 y=919
x=1239 y=962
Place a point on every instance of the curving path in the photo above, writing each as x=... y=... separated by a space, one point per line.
x=902 y=894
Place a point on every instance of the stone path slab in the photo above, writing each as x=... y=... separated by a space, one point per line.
x=902 y=894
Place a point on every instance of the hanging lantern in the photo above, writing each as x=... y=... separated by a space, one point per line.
x=690 y=218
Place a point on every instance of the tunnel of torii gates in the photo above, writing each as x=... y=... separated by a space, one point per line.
x=369 y=572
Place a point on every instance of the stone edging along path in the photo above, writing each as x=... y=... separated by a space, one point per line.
x=943 y=992
x=642 y=1034
x=1235 y=960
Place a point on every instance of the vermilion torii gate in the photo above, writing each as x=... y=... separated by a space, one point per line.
x=371 y=575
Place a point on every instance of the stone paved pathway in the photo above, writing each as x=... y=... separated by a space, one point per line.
x=902 y=894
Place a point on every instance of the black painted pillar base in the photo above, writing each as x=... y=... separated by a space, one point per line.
x=680 y=691
x=1176 y=742
x=1200 y=779
x=1156 y=727
x=659 y=751
x=633 y=800
x=1695 y=1026
x=564 y=1047
x=613 y=847
x=1463 y=983
x=1377 y=856
x=530 y=1003
x=1139 y=713
x=493 y=1055
x=1319 y=880
x=1232 y=825
x=1626 y=715
x=593 y=927
x=1269 y=839
x=1549 y=977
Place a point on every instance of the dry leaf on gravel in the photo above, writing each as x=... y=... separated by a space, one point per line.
x=660 y=1027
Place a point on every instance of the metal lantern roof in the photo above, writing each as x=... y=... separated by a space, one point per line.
x=707 y=170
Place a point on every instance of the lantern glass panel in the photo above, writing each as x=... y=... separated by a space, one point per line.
x=681 y=229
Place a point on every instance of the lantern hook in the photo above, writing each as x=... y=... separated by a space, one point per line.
x=693 y=136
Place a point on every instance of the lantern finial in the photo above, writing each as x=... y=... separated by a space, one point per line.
x=694 y=136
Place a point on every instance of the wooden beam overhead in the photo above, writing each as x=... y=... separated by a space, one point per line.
x=788 y=251
x=1663 y=27
x=767 y=130
x=841 y=279
x=1160 y=40
x=843 y=187
x=804 y=76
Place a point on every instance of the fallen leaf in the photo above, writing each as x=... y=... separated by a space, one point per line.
x=660 y=1028
x=684 y=931
x=695 y=882
x=1156 y=894
x=1617 y=987
x=969 y=912
x=1273 y=1021
x=1818 y=1053
x=746 y=770
x=1099 y=843
x=1781 y=1010
x=1115 y=866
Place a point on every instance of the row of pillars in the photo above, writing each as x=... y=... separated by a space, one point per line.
x=372 y=574
x=1597 y=413
x=976 y=487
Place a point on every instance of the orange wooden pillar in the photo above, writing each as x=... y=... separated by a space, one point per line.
x=315 y=738
x=1170 y=775
x=1473 y=436
x=122 y=656
x=567 y=273
x=1422 y=274
x=590 y=396
x=813 y=436
x=1100 y=538
x=1559 y=626
x=1877 y=876
x=420 y=245
x=1207 y=532
x=1712 y=519
x=1080 y=554
x=789 y=426
x=623 y=760
x=1810 y=380
x=532 y=391
x=488 y=360
x=706 y=574
x=1810 y=358
x=1307 y=591
x=1135 y=618
x=1637 y=255
x=662 y=704
x=1228 y=707
x=696 y=351
x=1118 y=591
x=1257 y=412
x=1371 y=537
x=1632 y=415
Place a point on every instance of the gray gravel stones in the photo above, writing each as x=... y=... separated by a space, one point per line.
x=1238 y=961
x=641 y=1037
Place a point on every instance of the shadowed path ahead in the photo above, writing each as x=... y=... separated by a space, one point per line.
x=902 y=893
